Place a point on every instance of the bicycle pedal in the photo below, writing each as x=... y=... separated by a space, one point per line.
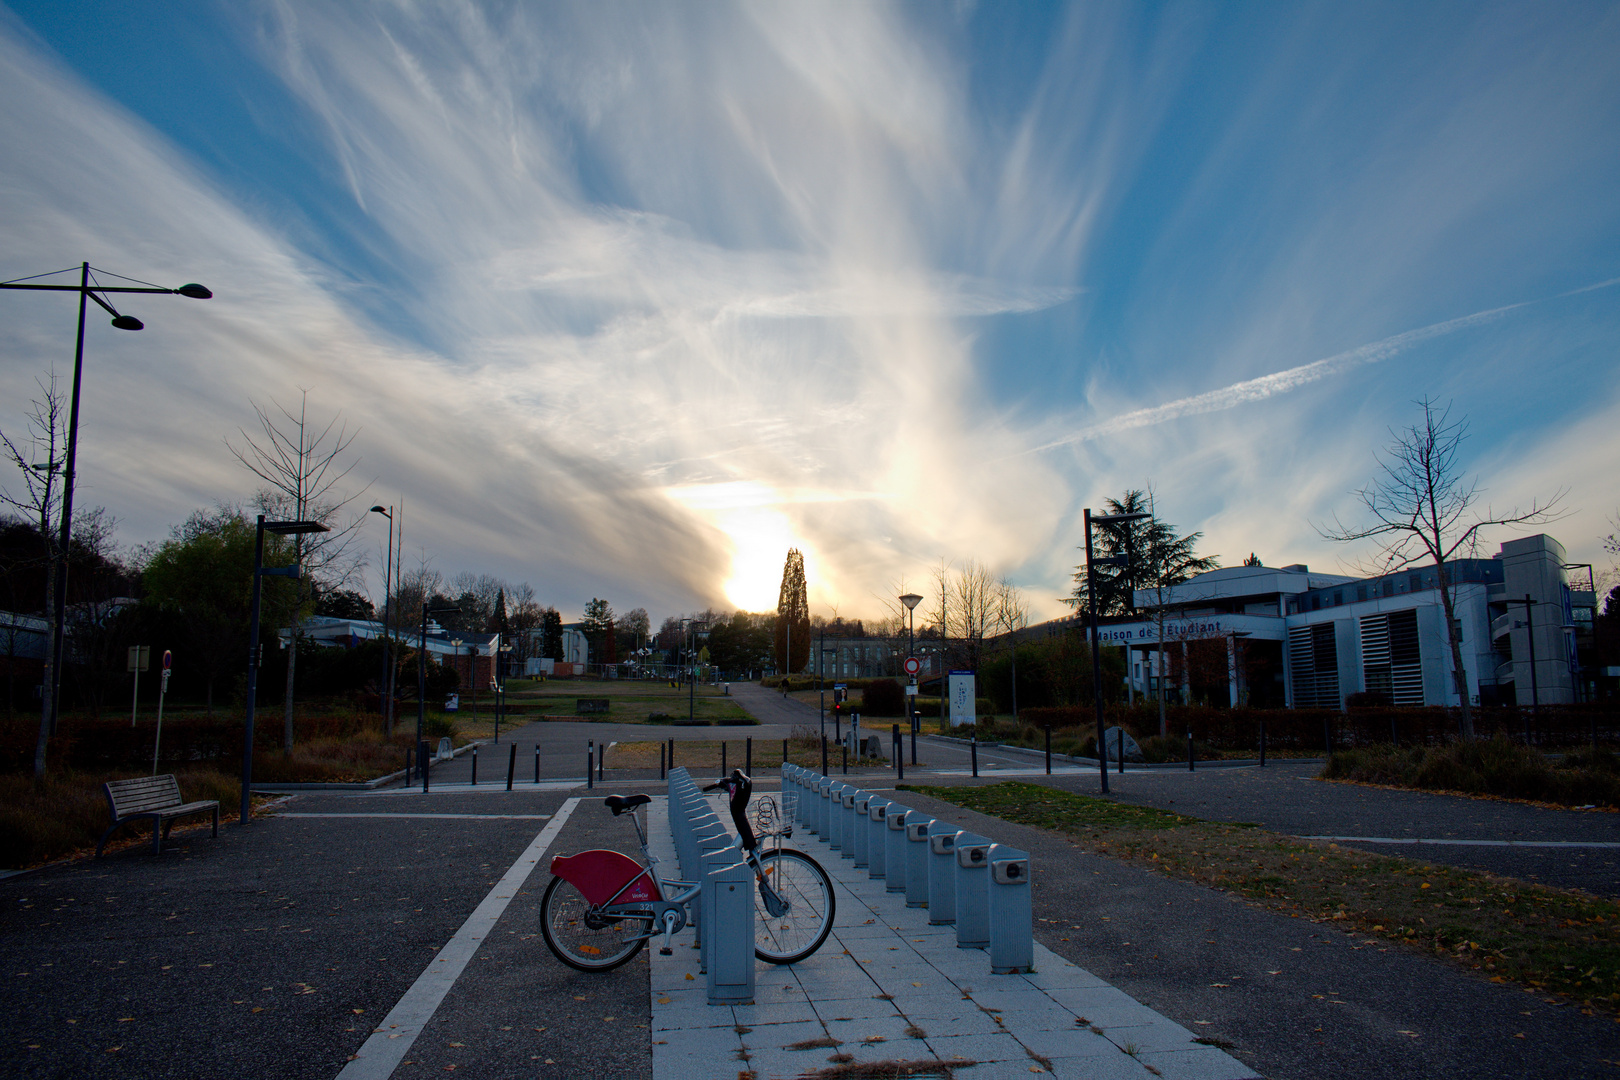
x=666 y=951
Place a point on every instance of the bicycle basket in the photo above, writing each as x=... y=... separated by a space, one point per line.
x=767 y=821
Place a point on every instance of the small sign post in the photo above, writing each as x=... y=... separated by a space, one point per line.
x=139 y=657
x=163 y=689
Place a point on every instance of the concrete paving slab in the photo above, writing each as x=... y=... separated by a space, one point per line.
x=1118 y=1067
x=1198 y=1063
x=998 y=1046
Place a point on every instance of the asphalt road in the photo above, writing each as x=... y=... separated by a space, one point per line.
x=1295 y=1000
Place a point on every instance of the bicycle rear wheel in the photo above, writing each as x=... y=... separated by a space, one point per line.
x=801 y=894
x=584 y=938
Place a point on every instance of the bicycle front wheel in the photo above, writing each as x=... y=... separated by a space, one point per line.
x=793 y=906
x=583 y=937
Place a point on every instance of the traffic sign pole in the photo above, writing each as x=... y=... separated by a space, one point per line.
x=163 y=689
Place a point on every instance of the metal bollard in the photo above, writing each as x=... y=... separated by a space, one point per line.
x=661 y=766
x=1189 y=752
x=475 y=767
x=537 y=763
x=941 y=872
x=601 y=760
x=824 y=755
x=672 y=751
x=784 y=751
x=846 y=820
x=1011 y=911
x=877 y=831
x=422 y=763
x=748 y=756
x=972 y=891
x=894 y=848
x=728 y=894
x=973 y=748
x=590 y=765
x=899 y=755
x=916 y=830
x=722 y=757
x=511 y=764
x=860 y=841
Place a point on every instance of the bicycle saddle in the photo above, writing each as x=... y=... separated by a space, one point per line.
x=619 y=804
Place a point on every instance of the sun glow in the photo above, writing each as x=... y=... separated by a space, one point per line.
x=759 y=534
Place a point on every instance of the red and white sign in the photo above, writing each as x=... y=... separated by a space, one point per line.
x=913 y=665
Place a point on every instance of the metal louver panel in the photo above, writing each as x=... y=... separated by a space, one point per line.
x=1313 y=657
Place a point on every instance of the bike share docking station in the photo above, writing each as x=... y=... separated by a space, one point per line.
x=725 y=912
x=961 y=878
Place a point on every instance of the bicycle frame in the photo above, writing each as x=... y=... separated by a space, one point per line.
x=643 y=894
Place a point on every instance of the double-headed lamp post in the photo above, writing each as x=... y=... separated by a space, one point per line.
x=260 y=572
x=388 y=635
x=86 y=291
x=1091 y=595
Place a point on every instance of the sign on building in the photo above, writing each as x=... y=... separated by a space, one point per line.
x=961 y=698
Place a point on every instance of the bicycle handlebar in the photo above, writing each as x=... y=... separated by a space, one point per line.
x=739 y=786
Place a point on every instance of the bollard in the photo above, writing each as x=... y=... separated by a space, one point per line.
x=661 y=761
x=1048 y=749
x=601 y=760
x=728 y=892
x=748 y=757
x=844 y=749
x=784 y=751
x=941 y=872
x=672 y=751
x=824 y=755
x=511 y=764
x=973 y=748
x=422 y=763
x=899 y=755
x=894 y=848
x=723 y=769
x=590 y=765
x=1189 y=752
x=410 y=770
x=877 y=831
x=537 y=763
x=859 y=839
x=1011 y=911
x=846 y=821
x=475 y=767
x=972 y=891
x=916 y=830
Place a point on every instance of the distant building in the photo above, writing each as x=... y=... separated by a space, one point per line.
x=1291 y=636
x=470 y=654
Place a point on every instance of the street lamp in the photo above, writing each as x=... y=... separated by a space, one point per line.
x=911 y=600
x=503 y=661
x=388 y=629
x=1091 y=594
x=53 y=676
x=280 y=528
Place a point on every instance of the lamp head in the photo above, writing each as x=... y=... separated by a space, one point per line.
x=384 y=511
x=128 y=322
x=293 y=528
x=195 y=291
x=911 y=600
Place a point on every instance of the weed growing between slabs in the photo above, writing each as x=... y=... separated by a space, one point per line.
x=1554 y=941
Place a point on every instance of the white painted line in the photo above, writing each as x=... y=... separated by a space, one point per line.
x=478 y=817
x=380 y=1054
x=1468 y=843
x=464 y=788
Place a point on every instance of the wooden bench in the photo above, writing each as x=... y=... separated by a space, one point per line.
x=155 y=797
x=588 y=706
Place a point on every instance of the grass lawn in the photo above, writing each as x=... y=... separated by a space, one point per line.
x=1557 y=941
x=632 y=701
x=702 y=756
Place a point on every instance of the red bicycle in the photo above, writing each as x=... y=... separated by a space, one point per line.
x=601 y=906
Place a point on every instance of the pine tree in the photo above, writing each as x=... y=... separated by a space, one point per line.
x=1158 y=557
x=792 y=645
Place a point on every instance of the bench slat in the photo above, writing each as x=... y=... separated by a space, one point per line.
x=154 y=797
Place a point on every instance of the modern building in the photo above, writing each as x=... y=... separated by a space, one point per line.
x=1291 y=636
x=470 y=654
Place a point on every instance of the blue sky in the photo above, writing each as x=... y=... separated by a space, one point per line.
x=625 y=299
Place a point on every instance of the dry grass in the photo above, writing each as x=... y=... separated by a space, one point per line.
x=63 y=815
x=1552 y=940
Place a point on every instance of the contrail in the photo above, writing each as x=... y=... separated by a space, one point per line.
x=1281 y=382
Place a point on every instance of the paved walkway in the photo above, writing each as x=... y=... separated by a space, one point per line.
x=886 y=986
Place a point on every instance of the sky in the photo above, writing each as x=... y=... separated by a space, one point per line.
x=625 y=300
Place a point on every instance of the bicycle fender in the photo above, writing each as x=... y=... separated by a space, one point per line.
x=599 y=873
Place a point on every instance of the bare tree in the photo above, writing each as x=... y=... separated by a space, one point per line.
x=1011 y=616
x=1422 y=509
x=37 y=500
x=298 y=459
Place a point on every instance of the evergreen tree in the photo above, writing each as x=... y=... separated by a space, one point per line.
x=792 y=617
x=1158 y=557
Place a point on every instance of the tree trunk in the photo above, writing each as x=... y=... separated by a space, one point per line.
x=1459 y=674
x=292 y=666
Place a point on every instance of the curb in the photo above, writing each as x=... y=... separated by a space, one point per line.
x=1221 y=763
x=363 y=785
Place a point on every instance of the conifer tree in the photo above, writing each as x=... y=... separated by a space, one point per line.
x=792 y=644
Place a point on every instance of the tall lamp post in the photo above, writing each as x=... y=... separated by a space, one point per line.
x=1091 y=594
x=911 y=600
x=86 y=291
x=503 y=661
x=388 y=630
x=260 y=572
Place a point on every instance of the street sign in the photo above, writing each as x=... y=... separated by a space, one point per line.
x=913 y=665
x=168 y=659
x=140 y=658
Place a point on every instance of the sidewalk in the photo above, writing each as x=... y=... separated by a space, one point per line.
x=886 y=986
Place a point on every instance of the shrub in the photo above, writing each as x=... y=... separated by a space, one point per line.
x=1485 y=767
x=883 y=697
